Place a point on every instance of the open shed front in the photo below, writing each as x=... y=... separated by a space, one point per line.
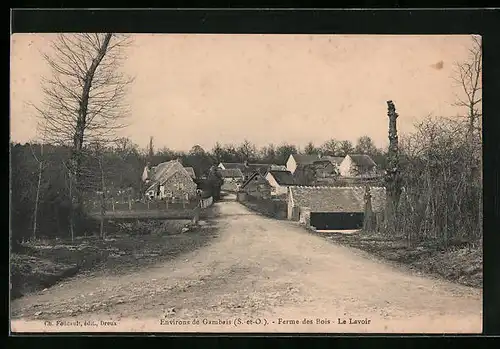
x=337 y=220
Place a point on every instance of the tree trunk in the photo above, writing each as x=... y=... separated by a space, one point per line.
x=35 y=213
x=81 y=125
x=103 y=200
x=71 y=208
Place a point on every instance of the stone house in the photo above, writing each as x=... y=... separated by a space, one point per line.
x=169 y=180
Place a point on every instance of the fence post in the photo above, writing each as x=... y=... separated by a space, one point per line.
x=129 y=203
x=147 y=200
x=113 y=204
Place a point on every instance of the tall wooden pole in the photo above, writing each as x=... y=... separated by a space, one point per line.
x=392 y=176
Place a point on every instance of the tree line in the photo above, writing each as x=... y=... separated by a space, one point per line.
x=41 y=174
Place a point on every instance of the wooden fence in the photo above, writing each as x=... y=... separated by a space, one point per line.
x=175 y=209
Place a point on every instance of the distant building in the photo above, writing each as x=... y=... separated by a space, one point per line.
x=358 y=165
x=231 y=165
x=233 y=178
x=232 y=174
x=257 y=186
x=296 y=160
x=279 y=181
x=247 y=168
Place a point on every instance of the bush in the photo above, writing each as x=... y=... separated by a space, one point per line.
x=441 y=198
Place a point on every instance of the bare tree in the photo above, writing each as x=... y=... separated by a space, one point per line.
x=331 y=147
x=468 y=76
x=218 y=152
x=84 y=98
x=345 y=148
x=310 y=149
x=247 y=151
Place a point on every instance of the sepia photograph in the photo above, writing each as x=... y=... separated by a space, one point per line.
x=257 y=183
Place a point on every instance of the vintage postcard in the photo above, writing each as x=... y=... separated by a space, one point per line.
x=246 y=183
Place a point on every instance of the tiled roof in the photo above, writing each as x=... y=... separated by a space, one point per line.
x=231 y=173
x=283 y=177
x=337 y=199
x=228 y=165
x=305 y=159
x=250 y=179
x=362 y=160
x=260 y=168
x=274 y=167
x=164 y=171
x=336 y=160
x=191 y=172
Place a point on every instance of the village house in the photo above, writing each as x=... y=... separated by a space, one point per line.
x=335 y=160
x=250 y=169
x=233 y=178
x=296 y=160
x=232 y=175
x=320 y=171
x=333 y=208
x=279 y=181
x=324 y=168
x=257 y=186
x=358 y=165
x=169 y=180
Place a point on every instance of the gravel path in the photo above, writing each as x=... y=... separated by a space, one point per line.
x=260 y=275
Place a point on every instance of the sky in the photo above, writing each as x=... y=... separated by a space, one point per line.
x=201 y=89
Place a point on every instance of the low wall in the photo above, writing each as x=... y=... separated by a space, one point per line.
x=269 y=207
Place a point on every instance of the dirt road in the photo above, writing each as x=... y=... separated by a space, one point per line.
x=260 y=275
